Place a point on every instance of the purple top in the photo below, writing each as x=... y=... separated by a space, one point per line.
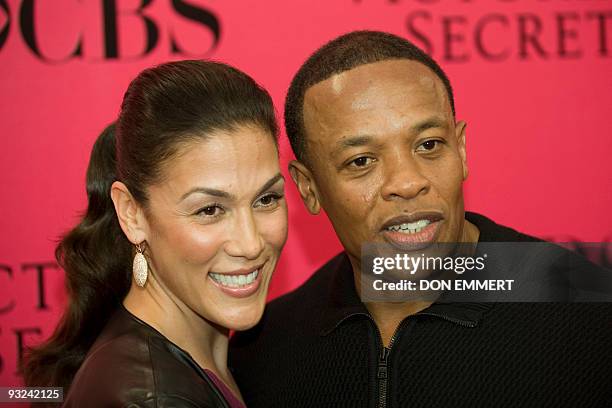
x=227 y=393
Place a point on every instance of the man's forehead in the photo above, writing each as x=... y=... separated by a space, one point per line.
x=386 y=90
x=360 y=77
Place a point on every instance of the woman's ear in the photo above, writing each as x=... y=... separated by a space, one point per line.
x=130 y=214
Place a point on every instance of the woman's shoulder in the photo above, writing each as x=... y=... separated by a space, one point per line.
x=133 y=365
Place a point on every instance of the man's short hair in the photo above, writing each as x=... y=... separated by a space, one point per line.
x=342 y=54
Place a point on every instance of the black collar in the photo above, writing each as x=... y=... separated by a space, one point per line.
x=342 y=302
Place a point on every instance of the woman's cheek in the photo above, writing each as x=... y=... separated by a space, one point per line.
x=200 y=243
x=273 y=227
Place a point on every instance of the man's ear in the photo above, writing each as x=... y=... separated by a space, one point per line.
x=130 y=213
x=460 y=134
x=302 y=177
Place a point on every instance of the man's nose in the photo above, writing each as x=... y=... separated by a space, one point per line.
x=403 y=178
x=245 y=240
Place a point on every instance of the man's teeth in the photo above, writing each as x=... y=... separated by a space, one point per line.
x=410 y=227
x=234 y=281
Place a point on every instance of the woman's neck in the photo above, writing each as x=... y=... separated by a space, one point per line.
x=206 y=342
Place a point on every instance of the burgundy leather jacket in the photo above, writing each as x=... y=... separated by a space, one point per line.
x=133 y=365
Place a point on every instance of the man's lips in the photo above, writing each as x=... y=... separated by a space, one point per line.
x=431 y=216
x=412 y=231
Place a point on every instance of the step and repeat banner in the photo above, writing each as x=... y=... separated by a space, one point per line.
x=532 y=78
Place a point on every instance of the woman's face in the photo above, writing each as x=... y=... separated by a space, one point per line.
x=217 y=222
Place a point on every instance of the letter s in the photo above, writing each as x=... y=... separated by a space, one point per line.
x=200 y=15
x=419 y=34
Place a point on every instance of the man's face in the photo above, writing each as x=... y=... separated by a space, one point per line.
x=386 y=159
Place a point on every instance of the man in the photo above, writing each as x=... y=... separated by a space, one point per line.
x=371 y=121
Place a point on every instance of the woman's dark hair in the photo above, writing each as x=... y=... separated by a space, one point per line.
x=163 y=108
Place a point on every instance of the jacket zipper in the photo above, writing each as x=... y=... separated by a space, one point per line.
x=383 y=361
x=382 y=373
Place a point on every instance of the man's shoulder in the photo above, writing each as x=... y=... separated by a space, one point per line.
x=313 y=291
x=294 y=313
x=548 y=271
x=490 y=231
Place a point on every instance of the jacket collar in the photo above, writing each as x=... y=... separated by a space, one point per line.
x=342 y=302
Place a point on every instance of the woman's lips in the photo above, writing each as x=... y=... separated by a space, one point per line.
x=238 y=285
x=407 y=240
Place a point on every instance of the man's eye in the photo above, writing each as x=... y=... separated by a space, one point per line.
x=362 y=161
x=269 y=200
x=210 y=211
x=428 y=145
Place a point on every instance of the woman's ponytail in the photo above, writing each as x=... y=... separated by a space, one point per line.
x=94 y=256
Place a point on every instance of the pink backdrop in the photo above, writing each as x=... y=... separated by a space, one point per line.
x=532 y=78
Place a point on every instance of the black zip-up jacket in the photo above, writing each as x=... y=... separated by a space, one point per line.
x=319 y=347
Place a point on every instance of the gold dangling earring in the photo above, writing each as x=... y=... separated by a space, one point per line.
x=140 y=268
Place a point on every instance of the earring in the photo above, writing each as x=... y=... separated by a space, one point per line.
x=140 y=268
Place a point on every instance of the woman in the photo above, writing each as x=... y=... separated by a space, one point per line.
x=183 y=229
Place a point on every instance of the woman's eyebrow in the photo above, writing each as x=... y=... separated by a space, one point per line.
x=273 y=180
x=224 y=194
x=206 y=190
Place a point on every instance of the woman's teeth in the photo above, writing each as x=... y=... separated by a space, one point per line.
x=234 y=281
x=410 y=227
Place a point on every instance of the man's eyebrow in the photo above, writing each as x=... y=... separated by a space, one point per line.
x=352 y=141
x=430 y=123
x=224 y=194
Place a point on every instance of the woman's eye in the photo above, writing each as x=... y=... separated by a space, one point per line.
x=210 y=211
x=268 y=200
x=428 y=145
x=362 y=161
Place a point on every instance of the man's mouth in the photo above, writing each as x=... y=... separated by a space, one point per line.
x=410 y=227
x=413 y=231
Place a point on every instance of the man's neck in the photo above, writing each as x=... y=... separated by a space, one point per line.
x=389 y=315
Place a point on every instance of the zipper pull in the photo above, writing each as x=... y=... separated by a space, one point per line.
x=382 y=363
